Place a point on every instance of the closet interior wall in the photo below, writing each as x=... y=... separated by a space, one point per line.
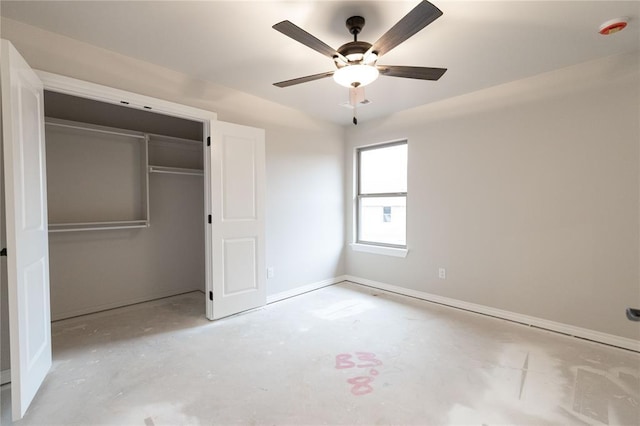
x=97 y=178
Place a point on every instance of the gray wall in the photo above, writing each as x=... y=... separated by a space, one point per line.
x=527 y=194
x=92 y=270
x=305 y=207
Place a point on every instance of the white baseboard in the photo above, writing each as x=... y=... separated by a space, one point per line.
x=5 y=376
x=120 y=304
x=304 y=289
x=584 y=333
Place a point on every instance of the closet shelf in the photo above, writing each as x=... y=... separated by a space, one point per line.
x=98 y=226
x=176 y=171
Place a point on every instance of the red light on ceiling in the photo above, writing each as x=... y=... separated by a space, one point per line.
x=613 y=26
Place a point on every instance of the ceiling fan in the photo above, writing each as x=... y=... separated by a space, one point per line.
x=356 y=61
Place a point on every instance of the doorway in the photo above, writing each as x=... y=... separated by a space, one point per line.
x=125 y=205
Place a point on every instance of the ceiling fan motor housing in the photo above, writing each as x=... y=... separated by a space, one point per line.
x=354 y=51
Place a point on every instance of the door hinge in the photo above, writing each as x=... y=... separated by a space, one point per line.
x=3 y=252
x=209 y=218
x=208 y=140
x=211 y=295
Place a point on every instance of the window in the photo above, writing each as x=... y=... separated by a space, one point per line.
x=382 y=195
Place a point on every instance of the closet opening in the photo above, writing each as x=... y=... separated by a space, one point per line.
x=126 y=196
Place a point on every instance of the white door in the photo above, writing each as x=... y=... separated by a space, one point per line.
x=26 y=227
x=237 y=182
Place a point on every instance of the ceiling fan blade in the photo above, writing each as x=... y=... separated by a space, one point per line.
x=421 y=16
x=420 y=73
x=298 y=34
x=306 y=79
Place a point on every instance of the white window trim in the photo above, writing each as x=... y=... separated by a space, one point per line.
x=363 y=247
x=385 y=251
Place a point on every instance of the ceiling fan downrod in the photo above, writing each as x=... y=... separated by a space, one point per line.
x=354 y=25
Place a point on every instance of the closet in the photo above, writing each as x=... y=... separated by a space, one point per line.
x=139 y=208
x=125 y=190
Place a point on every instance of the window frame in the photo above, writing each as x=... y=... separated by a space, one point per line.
x=359 y=196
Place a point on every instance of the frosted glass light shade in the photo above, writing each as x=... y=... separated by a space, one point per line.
x=362 y=74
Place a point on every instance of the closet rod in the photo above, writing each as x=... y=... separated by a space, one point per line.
x=176 y=171
x=172 y=138
x=90 y=129
x=99 y=228
x=113 y=222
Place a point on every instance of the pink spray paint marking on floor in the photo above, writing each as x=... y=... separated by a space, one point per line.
x=361 y=385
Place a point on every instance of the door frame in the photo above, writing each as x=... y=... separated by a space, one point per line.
x=84 y=89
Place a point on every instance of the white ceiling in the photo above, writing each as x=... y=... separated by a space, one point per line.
x=232 y=43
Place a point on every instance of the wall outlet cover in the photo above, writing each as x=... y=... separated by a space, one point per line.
x=442 y=273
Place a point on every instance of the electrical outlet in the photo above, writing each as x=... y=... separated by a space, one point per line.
x=442 y=273
x=271 y=272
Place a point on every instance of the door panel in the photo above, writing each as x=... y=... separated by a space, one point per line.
x=237 y=159
x=26 y=227
x=239 y=266
x=30 y=104
x=34 y=307
x=239 y=178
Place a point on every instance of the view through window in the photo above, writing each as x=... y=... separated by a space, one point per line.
x=382 y=194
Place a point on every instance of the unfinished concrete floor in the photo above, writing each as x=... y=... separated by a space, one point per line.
x=345 y=354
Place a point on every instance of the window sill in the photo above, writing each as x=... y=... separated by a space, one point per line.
x=385 y=251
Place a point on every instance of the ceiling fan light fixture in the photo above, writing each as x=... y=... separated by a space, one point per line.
x=370 y=59
x=356 y=75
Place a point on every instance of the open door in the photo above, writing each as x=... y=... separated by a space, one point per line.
x=26 y=227
x=237 y=182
